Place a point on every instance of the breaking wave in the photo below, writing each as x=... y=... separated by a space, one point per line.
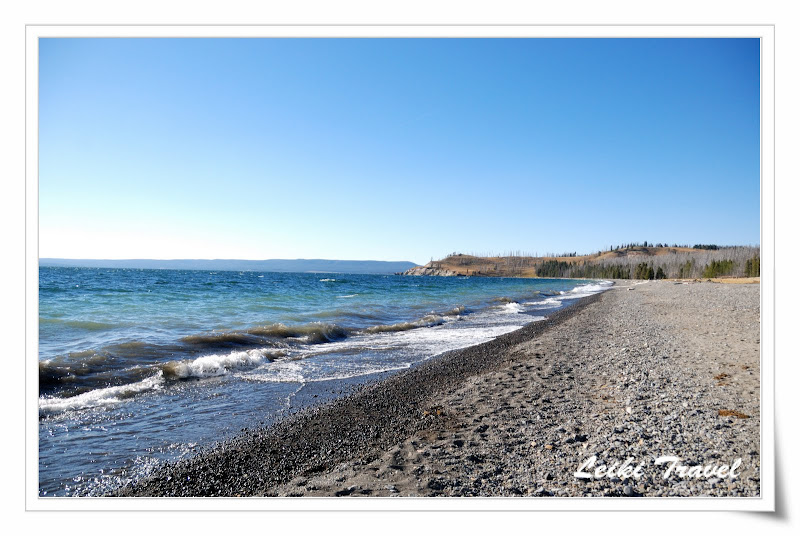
x=99 y=397
x=315 y=332
x=218 y=364
x=547 y=303
x=588 y=289
x=512 y=307
x=222 y=339
x=424 y=322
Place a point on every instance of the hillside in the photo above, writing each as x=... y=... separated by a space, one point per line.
x=621 y=263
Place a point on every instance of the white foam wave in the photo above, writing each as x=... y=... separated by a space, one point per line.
x=326 y=280
x=281 y=372
x=348 y=296
x=547 y=303
x=591 y=287
x=307 y=372
x=588 y=289
x=512 y=307
x=219 y=364
x=99 y=397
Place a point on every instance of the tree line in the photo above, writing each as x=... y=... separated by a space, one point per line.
x=707 y=262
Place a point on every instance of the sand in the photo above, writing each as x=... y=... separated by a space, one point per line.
x=644 y=370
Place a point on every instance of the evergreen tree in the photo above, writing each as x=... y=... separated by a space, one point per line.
x=718 y=268
x=685 y=271
x=753 y=267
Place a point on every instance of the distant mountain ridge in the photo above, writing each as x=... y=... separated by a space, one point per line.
x=270 y=265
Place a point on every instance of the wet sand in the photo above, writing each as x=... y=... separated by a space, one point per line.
x=646 y=369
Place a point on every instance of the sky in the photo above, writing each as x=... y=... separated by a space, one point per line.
x=394 y=149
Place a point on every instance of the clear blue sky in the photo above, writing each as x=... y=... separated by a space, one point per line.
x=394 y=149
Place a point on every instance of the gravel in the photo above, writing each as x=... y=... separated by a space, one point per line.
x=667 y=369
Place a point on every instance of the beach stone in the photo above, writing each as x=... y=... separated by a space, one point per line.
x=511 y=410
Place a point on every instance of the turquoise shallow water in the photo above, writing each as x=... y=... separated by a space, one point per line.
x=138 y=366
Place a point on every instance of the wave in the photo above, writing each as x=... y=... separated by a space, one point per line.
x=315 y=332
x=384 y=351
x=512 y=307
x=87 y=325
x=99 y=397
x=76 y=363
x=132 y=361
x=553 y=299
x=592 y=287
x=78 y=372
x=547 y=303
x=268 y=335
x=426 y=321
x=338 y=314
x=136 y=350
x=114 y=373
x=588 y=289
x=292 y=372
x=201 y=367
x=218 y=364
x=222 y=339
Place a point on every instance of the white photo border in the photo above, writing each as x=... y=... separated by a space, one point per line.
x=765 y=502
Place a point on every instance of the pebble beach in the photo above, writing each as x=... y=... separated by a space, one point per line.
x=642 y=371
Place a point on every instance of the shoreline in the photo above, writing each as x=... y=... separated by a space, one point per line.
x=315 y=439
x=618 y=374
x=240 y=362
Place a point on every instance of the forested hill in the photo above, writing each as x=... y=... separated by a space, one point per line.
x=632 y=261
x=272 y=265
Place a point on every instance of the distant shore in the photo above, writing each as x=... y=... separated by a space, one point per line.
x=631 y=262
x=644 y=370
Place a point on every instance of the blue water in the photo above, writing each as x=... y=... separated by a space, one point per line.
x=141 y=366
